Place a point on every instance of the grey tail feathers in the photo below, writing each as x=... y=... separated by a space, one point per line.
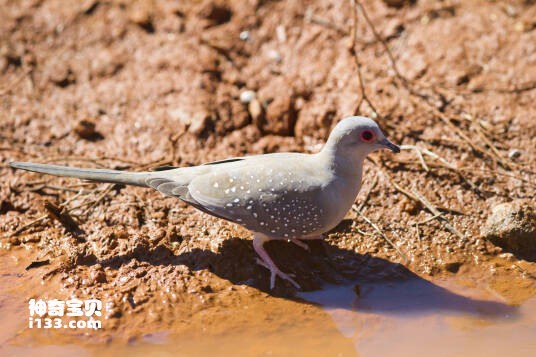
x=99 y=175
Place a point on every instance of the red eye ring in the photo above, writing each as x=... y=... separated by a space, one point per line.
x=367 y=136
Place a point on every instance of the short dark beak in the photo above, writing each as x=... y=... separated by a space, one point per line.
x=389 y=145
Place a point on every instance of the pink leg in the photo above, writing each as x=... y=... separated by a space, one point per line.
x=299 y=243
x=267 y=262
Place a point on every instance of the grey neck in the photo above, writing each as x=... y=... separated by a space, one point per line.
x=341 y=162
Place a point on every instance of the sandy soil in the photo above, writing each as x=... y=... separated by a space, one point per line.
x=134 y=85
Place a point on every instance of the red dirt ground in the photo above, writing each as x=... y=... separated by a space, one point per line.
x=132 y=85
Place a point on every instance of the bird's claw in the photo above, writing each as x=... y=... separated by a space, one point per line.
x=274 y=271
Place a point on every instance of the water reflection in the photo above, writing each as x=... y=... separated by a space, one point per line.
x=411 y=296
x=417 y=317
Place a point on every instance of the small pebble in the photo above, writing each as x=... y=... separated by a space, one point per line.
x=85 y=129
x=508 y=256
x=244 y=35
x=274 y=55
x=247 y=96
x=514 y=154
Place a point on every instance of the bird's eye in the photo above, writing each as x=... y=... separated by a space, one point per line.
x=367 y=136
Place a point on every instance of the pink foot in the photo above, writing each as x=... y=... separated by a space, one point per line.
x=274 y=271
x=267 y=262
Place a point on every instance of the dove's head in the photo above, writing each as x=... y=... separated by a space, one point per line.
x=353 y=138
x=351 y=141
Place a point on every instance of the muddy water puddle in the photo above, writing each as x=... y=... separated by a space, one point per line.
x=416 y=317
x=449 y=317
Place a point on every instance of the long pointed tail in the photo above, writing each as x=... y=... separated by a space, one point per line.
x=99 y=175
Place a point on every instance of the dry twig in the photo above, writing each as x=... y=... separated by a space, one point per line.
x=13 y=83
x=309 y=16
x=437 y=214
x=380 y=232
x=494 y=154
x=353 y=53
x=62 y=216
x=367 y=195
x=27 y=225
x=420 y=151
x=379 y=38
x=62 y=210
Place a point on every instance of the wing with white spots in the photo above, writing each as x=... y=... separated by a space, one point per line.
x=276 y=195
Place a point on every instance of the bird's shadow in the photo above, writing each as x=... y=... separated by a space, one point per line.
x=381 y=286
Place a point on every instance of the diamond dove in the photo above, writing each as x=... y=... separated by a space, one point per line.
x=280 y=196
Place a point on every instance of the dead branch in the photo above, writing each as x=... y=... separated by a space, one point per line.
x=494 y=155
x=52 y=209
x=27 y=225
x=494 y=150
x=420 y=151
x=353 y=53
x=380 y=232
x=367 y=195
x=437 y=214
x=61 y=215
x=15 y=82
x=310 y=17
x=380 y=39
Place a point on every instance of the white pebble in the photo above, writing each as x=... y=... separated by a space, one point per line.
x=514 y=154
x=247 y=96
x=275 y=56
x=244 y=35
